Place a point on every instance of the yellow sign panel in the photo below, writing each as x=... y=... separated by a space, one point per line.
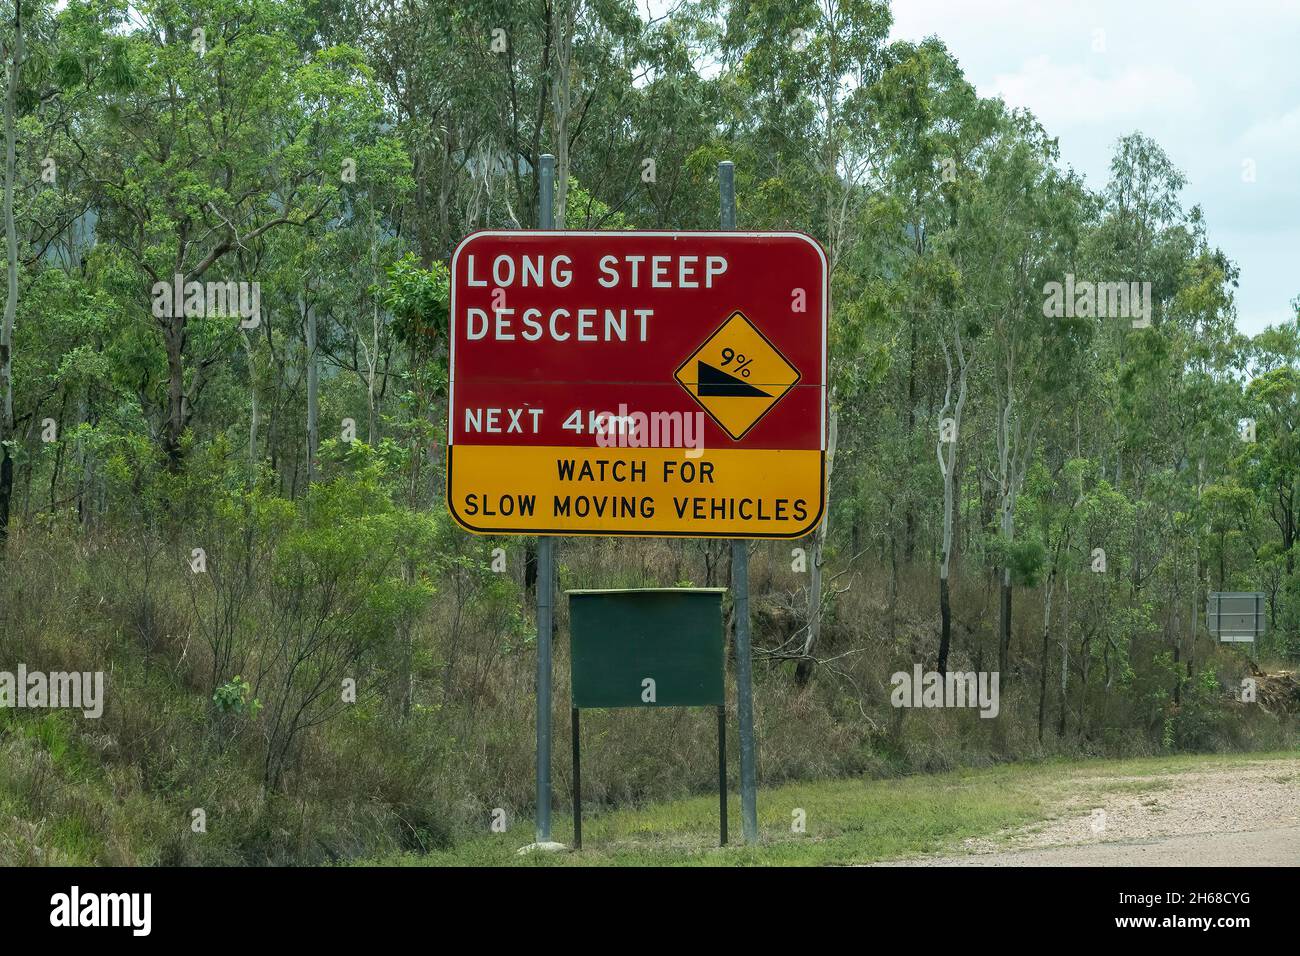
x=737 y=375
x=769 y=493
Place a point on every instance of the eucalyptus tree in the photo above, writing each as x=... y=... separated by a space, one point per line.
x=1026 y=213
x=1271 y=462
x=1173 y=377
x=657 y=99
x=226 y=133
x=37 y=206
x=14 y=55
x=935 y=132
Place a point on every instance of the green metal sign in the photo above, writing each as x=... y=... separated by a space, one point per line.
x=650 y=647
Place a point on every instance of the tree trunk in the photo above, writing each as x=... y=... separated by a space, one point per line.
x=15 y=64
x=1085 y=659
x=1065 y=658
x=254 y=417
x=566 y=14
x=530 y=567
x=313 y=388
x=803 y=670
x=1178 y=678
x=85 y=464
x=948 y=469
x=945 y=616
x=909 y=517
x=57 y=471
x=1004 y=638
x=1042 y=657
x=174 y=340
x=372 y=354
x=955 y=558
x=893 y=589
x=1288 y=538
x=372 y=374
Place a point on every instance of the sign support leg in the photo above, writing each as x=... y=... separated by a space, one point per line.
x=740 y=602
x=545 y=609
x=545 y=578
x=744 y=691
x=577 y=784
x=722 y=773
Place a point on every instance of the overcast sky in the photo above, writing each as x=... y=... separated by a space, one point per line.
x=1216 y=84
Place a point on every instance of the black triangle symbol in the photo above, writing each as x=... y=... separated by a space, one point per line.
x=714 y=381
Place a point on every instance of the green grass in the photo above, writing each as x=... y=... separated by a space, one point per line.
x=848 y=821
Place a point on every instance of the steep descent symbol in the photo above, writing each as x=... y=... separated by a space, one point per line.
x=737 y=375
x=714 y=381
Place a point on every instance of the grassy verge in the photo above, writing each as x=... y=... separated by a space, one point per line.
x=847 y=821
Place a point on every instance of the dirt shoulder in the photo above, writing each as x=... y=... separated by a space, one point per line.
x=1235 y=814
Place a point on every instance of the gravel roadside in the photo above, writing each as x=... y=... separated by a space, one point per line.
x=1235 y=815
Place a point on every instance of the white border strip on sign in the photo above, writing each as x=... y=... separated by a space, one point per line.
x=451 y=324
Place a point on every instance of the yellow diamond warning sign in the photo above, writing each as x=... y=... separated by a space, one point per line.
x=737 y=375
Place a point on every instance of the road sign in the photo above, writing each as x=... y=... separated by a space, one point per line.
x=646 y=647
x=637 y=383
x=1235 y=617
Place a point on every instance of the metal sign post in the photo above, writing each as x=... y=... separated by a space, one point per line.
x=740 y=603
x=545 y=580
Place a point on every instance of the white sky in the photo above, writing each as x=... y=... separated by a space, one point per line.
x=1214 y=83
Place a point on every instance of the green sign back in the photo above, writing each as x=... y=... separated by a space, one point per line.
x=622 y=639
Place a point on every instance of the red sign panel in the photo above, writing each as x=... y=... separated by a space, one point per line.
x=637 y=383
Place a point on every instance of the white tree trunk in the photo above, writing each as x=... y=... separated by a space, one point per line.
x=818 y=540
x=948 y=470
x=562 y=102
x=15 y=64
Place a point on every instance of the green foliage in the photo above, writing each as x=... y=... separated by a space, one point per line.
x=233 y=697
x=419 y=301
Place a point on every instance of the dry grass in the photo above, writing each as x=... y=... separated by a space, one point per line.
x=373 y=781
